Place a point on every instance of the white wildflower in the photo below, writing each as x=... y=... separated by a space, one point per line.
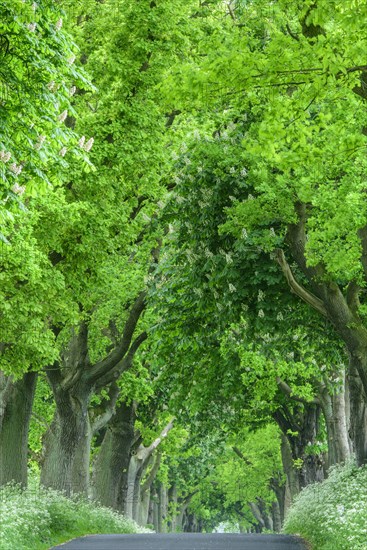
x=51 y=86
x=81 y=141
x=260 y=296
x=280 y=316
x=63 y=116
x=88 y=146
x=63 y=151
x=232 y=288
x=243 y=172
x=58 y=24
x=72 y=90
x=71 y=59
x=232 y=170
x=261 y=313
x=244 y=233
x=32 y=27
x=272 y=232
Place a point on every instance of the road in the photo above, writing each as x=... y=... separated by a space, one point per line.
x=184 y=541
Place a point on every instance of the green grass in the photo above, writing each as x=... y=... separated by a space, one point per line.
x=333 y=515
x=36 y=519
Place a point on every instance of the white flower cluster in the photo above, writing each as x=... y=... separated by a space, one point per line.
x=52 y=86
x=71 y=59
x=63 y=151
x=58 y=25
x=40 y=142
x=72 y=90
x=16 y=168
x=232 y=288
x=280 y=316
x=32 y=27
x=260 y=296
x=5 y=156
x=261 y=313
x=63 y=115
x=18 y=189
x=87 y=146
x=243 y=172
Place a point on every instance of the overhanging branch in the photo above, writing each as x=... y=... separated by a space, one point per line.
x=298 y=289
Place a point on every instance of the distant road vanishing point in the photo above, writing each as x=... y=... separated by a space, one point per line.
x=184 y=541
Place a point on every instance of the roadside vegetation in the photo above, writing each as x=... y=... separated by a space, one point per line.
x=39 y=518
x=333 y=515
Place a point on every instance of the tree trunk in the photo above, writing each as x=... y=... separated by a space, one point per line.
x=334 y=409
x=15 y=413
x=67 y=443
x=358 y=415
x=112 y=463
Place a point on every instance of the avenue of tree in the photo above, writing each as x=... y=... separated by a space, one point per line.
x=183 y=252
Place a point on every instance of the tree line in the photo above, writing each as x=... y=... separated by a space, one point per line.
x=183 y=242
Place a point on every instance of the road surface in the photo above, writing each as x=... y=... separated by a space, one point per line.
x=184 y=541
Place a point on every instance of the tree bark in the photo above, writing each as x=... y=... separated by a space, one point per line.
x=112 y=463
x=67 y=442
x=15 y=414
x=334 y=409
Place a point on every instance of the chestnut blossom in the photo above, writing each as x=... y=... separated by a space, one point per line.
x=15 y=168
x=58 y=24
x=88 y=146
x=18 y=189
x=5 y=156
x=81 y=141
x=31 y=27
x=63 y=151
x=71 y=59
x=63 y=116
x=72 y=90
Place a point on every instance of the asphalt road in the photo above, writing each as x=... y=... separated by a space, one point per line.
x=184 y=541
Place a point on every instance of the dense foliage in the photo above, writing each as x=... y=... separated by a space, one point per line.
x=183 y=244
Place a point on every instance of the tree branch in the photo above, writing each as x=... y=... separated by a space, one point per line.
x=287 y=390
x=110 y=409
x=298 y=289
x=242 y=456
x=153 y=472
x=124 y=365
x=103 y=367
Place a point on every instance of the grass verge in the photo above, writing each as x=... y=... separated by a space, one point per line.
x=333 y=515
x=36 y=519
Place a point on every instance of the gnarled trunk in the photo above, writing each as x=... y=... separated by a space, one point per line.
x=110 y=475
x=67 y=443
x=15 y=414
